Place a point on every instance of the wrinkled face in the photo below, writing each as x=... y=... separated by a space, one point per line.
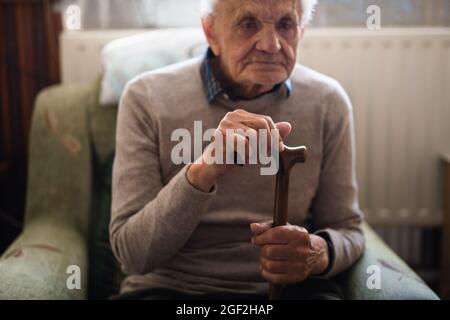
x=256 y=40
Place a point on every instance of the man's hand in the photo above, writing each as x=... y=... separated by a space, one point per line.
x=289 y=254
x=203 y=175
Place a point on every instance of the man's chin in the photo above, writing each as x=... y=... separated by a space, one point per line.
x=268 y=81
x=266 y=68
x=268 y=77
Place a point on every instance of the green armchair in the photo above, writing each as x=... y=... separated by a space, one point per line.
x=68 y=204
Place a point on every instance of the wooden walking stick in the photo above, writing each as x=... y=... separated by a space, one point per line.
x=288 y=158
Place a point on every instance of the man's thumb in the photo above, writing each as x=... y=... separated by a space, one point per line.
x=258 y=228
x=284 y=128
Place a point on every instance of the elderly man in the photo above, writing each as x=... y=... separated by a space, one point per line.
x=202 y=230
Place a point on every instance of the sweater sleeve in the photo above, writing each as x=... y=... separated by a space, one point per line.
x=150 y=222
x=335 y=208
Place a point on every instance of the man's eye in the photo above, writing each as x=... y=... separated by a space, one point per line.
x=249 y=25
x=286 y=24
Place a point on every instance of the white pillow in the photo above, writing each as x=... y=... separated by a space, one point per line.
x=125 y=58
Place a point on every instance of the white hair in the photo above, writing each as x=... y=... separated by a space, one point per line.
x=208 y=7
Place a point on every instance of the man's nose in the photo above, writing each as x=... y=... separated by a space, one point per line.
x=269 y=41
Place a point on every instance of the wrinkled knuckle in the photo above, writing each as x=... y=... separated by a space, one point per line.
x=262 y=261
x=265 y=251
x=301 y=233
x=306 y=239
x=270 y=266
x=300 y=236
x=225 y=122
x=219 y=133
x=269 y=252
x=300 y=253
x=262 y=124
x=229 y=116
x=269 y=119
x=266 y=276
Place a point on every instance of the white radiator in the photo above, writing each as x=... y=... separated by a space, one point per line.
x=399 y=83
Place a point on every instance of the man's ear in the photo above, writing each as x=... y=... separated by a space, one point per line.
x=302 y=32
x=210 y=34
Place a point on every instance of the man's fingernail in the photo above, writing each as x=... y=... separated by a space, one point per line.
x=253 y=240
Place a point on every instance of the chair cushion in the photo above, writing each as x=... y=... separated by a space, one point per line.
x=125 y=58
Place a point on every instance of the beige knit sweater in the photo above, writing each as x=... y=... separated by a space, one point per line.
x=168 y=234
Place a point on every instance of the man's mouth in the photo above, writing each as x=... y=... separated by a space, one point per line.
x=269 y=64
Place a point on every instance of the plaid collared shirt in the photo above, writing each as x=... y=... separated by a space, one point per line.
x=212 y=85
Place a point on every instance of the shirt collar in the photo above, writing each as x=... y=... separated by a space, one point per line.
x=213 y=87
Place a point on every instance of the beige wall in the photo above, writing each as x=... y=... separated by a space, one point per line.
x=393 y=12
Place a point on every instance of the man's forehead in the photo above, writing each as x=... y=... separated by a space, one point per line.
x=268 y=9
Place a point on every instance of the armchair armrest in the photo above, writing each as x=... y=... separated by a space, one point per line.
x=58 y=199
x=35 y=265
x=397 y=280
